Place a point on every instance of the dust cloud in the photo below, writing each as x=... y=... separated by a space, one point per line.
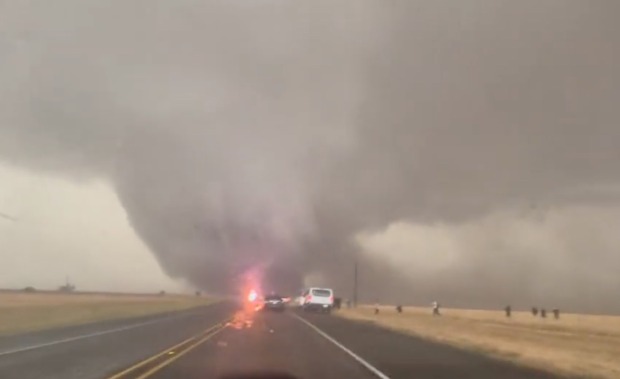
x=288 y=135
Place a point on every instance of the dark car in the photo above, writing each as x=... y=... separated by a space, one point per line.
x=274 y=303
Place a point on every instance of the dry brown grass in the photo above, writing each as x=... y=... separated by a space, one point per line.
x=23 y=312
x=573 y=345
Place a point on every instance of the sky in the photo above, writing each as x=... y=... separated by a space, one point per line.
x=78 y=230
x=466 y=150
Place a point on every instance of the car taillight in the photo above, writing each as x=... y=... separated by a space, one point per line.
x=308 y=298
x=331 y=299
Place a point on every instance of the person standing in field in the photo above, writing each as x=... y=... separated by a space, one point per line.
x=436 y=308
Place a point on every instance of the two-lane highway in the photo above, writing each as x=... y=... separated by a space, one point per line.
x=308 y=345
x=94 y=350
x=263 y=343
x=223 y=340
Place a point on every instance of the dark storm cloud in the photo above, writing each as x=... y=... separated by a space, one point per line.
x=239 y=133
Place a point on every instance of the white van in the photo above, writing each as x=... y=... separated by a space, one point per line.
x=318 y=299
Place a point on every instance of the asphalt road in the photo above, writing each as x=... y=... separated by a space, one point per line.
x=320 y=346
x=298 y=344
x=91 y=351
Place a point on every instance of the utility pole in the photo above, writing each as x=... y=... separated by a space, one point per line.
x=355 y=284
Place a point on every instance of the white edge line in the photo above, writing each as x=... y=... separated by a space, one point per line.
x=359 y=359
x=91 y=335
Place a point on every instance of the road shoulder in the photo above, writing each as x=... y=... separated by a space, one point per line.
x=399 y=355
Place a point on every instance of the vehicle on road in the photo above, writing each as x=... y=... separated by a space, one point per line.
x=318 y=299
x=299 y=301
x=274 y=302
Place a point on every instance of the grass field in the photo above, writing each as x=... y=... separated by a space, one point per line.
x=22 y=312
x=581 y=345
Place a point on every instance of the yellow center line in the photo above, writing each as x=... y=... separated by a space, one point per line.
x=164 y=352
x=179 y=355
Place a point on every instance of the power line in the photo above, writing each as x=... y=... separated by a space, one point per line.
x=8 y=217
